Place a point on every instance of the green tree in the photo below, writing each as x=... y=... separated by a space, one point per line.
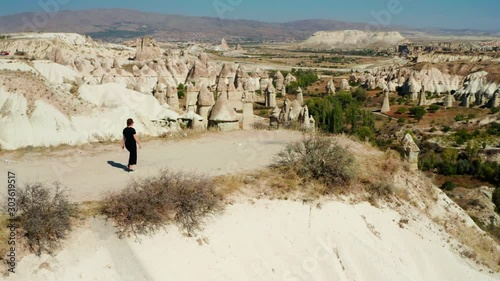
x=359 y=94
x=181 y=90
x=337 y=118
x=448 y=165
x=352 y=115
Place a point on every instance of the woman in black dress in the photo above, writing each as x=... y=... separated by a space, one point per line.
x=130 y=141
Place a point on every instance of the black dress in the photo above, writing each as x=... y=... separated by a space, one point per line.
x=131 y=145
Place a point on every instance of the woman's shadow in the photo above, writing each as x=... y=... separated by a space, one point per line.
x=118 y=165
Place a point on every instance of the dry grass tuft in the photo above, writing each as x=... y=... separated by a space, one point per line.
x=229 y=184
x=382 y=190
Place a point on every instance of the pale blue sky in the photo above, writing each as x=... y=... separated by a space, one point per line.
x=455 y=14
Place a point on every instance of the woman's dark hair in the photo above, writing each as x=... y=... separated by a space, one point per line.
x=130 y=122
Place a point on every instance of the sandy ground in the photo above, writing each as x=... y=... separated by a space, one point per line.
x=251 y=240
x=90 y=173
x=264 y=240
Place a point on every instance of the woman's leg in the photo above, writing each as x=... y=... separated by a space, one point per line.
x=132 y=160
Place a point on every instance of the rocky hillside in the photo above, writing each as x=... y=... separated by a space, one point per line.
x=120 y=24
x=353 y=39
x=81 y=83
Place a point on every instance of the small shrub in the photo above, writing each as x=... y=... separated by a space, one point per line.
x=471 y=116
x=446 y=129
x=359 y=94
x=434 y=108
x=459 y=118
x=45 y=216
x=74 y=89
x=181 y=90
x=418 y=112
x=318 y=159
x=402 y=110
x=448 y=186
x=365 y=133
x=494 y=129
x=148 y=205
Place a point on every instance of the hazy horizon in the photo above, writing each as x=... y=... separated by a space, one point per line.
x=447 y=14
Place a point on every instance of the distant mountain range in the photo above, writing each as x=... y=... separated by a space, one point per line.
x=116 y=25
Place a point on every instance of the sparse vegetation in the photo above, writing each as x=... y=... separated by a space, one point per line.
x=451 y=161
x=45 y=216
x=305 y=78
x=150 y=204
x=335 y=59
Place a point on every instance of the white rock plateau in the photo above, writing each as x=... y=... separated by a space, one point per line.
x=352 y=39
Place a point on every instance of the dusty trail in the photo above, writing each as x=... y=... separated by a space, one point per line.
x=89 y=174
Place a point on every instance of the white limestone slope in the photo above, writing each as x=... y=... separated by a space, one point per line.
x=265 y=240
x=13 y=65
x=56 y=73
x=352 y=39
x=47 y=126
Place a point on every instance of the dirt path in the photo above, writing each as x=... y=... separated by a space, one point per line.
x=88 y=175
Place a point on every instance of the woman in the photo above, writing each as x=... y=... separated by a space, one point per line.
x=130 y=141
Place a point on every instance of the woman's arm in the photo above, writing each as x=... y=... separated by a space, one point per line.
x=123 y=142
x=137 y=140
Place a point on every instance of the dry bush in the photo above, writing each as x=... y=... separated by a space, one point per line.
x=381 y=190
x=318 y=158
x=149 y=204
x=74 y=89
x=391 y=162
x=45 y=216
x=4 y=237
